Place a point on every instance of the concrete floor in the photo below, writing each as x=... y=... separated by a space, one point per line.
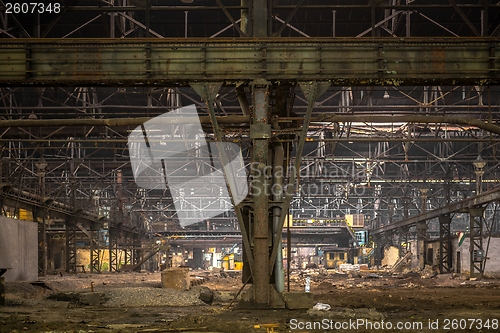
x=134 y=302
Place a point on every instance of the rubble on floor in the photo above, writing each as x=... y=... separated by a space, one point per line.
x=144 y=296
x=347 y=313
x=298 y=300
x=137 y=303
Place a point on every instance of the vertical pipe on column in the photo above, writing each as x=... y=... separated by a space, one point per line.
x=484 y=18
x=408 y=23
x=277 y=191
x=334 y=14
x=288 y=251
x=112 y=16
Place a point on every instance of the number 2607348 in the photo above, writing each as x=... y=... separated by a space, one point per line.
x=32 y=8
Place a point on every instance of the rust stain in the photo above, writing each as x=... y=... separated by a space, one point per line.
x=438 y=58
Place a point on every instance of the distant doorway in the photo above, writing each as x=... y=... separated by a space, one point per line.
x=430 y=256
x=57 y=260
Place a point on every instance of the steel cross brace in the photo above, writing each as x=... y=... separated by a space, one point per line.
x=312 y=90
x=476 y=249
x=207 y=92
x=445 y=248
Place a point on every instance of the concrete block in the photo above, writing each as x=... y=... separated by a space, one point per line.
x=298 y=300
x=91 y=298
x=176 y=278
x=19 y=249
x=207 y=295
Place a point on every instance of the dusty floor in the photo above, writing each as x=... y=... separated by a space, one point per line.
x=364 y=303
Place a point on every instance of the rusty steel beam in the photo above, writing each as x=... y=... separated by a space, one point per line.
x=236 y=119
x=260 y=131
x=175 y=62
x=461 y=205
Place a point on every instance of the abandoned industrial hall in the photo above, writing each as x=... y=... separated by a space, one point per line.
x=233 y=166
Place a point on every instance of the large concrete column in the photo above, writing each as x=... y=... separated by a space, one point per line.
x=260 y=132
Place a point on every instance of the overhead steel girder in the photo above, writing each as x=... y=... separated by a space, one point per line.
x=342 y=61
x=237 y=119
x=457 y=206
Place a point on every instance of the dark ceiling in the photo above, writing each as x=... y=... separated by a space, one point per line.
x=314 y=18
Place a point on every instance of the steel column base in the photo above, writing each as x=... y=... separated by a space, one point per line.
x=275 y=301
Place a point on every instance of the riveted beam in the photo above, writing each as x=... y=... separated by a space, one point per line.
x=344 y=61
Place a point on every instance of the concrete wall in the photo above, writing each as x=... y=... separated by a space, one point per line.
x=414 y=254
x=19 y=249
x=391 y=256
x=492 y=264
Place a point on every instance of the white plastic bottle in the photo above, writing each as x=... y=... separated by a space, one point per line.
x=308 y=284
